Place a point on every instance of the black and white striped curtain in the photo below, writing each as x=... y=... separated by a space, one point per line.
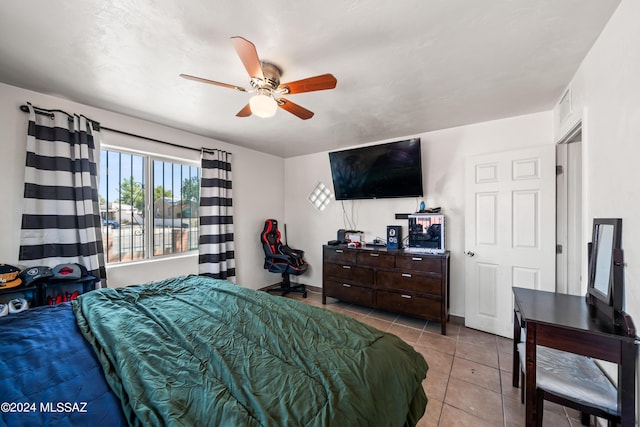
x=217 y=253
x=61 y=213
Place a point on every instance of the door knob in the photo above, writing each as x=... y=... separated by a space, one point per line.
x=469 y=253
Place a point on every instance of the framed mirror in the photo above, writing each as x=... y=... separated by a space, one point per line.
x=605 y=264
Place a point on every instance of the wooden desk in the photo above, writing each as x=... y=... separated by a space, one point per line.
x=563 y=322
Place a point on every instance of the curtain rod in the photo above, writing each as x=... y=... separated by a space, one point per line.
x=45 y=112
x=149 y=139
x=98 y=127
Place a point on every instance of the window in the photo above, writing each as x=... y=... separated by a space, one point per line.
x=149 y=206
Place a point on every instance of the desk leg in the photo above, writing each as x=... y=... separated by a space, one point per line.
x=530 y=377
x=626 y=384
x=515 y=373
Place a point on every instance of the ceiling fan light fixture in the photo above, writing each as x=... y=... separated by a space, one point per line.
x=265 y=81
x=263 y=105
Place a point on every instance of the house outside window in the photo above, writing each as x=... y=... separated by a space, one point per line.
x=148 y=205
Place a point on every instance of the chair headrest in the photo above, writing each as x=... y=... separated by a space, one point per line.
x=270 y=225
x=270 y=233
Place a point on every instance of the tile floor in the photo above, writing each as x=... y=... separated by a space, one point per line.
x=469 y=378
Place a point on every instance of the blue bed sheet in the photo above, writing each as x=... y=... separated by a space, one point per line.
x=49 y=374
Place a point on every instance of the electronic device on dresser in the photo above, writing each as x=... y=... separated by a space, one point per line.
x=605 y=289
x=426 y=233
x=394 y=236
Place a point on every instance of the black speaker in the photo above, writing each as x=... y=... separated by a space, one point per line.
x=394 y=237
x=342 y=235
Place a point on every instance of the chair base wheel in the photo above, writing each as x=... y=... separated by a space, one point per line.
x=286 y=288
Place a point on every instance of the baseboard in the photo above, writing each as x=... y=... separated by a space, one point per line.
x=458 y=320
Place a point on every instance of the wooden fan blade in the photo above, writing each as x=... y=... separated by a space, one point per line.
x=322 y=82
x=245 y=112
x=212 y=82
x=295 y=109
x=248 y=55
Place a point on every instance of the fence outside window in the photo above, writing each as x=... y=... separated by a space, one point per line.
x=141 y=221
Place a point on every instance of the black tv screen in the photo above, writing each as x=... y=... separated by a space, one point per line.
x=378 y=171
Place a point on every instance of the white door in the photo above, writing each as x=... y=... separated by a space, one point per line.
x=510 y=232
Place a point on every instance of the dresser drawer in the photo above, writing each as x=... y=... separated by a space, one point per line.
x=410 y=281
x=375 y=259
x=352 y=273
x=409 y=303
x=338 y=255
x=415 y=284
x=419 y=262
x=348 y=292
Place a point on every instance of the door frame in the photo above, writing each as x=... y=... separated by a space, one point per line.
x=571 y=263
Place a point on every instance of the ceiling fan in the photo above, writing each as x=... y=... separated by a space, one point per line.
x=265 y=81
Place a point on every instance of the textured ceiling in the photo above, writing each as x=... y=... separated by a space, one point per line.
x=403 y=67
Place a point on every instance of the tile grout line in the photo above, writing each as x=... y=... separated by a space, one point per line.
x=499 y=378
x=446 y=390
x=500 y=372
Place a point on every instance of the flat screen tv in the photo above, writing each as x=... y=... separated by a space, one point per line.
x=378 y=171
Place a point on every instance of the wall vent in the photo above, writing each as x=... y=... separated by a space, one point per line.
x=564 y=106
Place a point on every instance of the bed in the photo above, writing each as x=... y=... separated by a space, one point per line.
x=199 y=351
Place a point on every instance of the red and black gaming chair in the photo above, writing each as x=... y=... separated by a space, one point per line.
x=280 y=258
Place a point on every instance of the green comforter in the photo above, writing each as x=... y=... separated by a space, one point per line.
x=196 y=351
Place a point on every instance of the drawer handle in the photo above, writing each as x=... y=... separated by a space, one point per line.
x=346 y=285
x=406 y=296
x=346 y=266
x=374 y=254
x=339 y=251
x=415 y=258
x=406 y=275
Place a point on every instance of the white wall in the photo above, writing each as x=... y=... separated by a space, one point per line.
x=443 y=157
x=253 y=200
x=607 y=93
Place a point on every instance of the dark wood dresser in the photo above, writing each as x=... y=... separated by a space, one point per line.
x=415 y=284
